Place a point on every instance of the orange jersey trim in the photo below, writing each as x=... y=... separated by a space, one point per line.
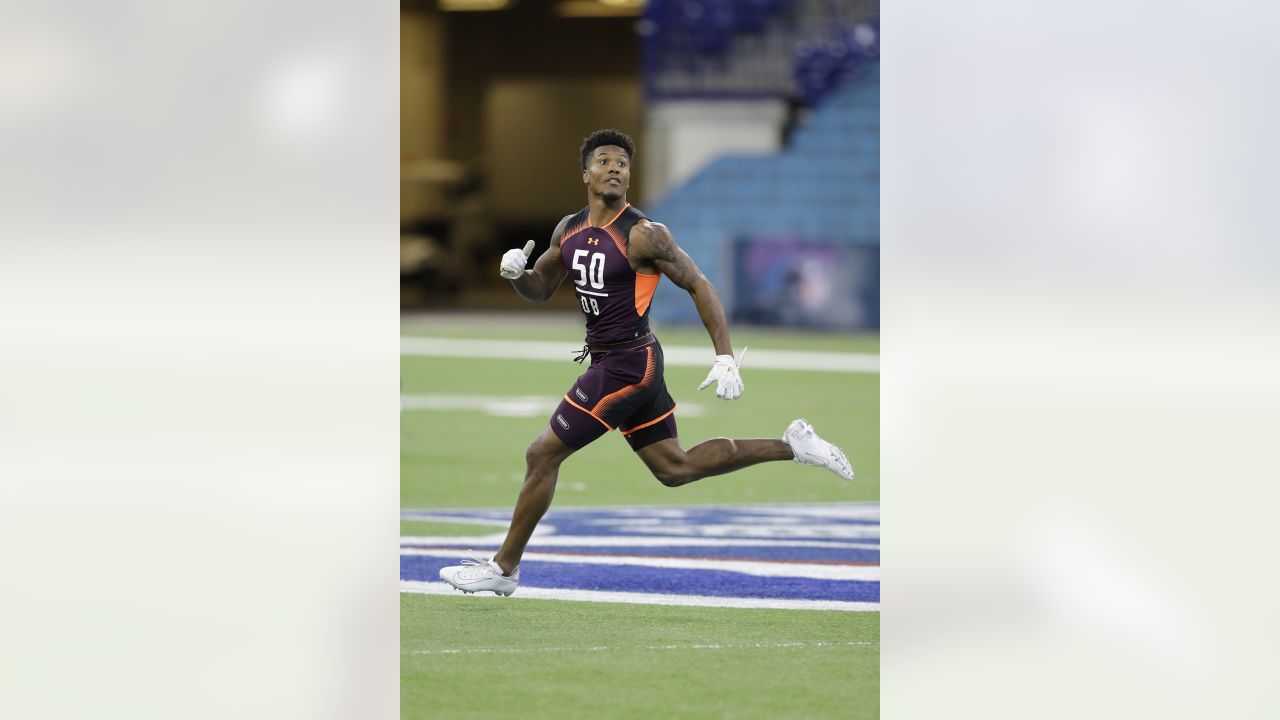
x=615 y=217
x=650 y=370
x=618 y=240
x=597 y=417
x=654 y=421
x=645 y=286
x=574 y=229
x=570 y=232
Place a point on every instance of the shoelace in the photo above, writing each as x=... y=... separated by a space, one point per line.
x=476 y=560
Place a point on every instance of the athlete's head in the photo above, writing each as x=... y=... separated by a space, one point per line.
x=606 y=164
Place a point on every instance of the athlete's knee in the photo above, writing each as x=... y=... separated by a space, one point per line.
x=535 y=454
x=675 y=475
x=539 y=454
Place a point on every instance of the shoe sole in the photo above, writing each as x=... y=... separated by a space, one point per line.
x=473 y=592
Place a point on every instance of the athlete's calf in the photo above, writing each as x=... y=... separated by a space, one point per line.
x=673 y=466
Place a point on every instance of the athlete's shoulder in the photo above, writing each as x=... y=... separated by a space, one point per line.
x=646 y=228
x=651 y=239
x=626 y=222
x=572 y=223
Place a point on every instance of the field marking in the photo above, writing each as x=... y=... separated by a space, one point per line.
x=408 y=541
x=456 y=520
x=421 y=587
x=757 y=527
x=674 y=355
x=851 y=509
x=588 y=553
x=810 y=571
x=506 y=405
x=608 y=648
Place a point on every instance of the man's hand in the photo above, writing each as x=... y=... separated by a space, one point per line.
x=725 y=374
x=514 y=260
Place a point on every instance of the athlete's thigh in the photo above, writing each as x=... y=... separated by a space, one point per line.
x=614 y=386
x=573 y=423
x=662 y=456
x=652 y=423
x=652 y=420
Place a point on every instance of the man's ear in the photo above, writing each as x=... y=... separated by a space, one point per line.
x=585 y=177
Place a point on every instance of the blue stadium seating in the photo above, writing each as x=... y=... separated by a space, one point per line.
x=800 y=49
x=824 y=186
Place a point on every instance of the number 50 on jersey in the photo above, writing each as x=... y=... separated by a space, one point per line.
x=592 y=273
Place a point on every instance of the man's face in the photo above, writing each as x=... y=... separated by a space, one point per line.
x=608 y=172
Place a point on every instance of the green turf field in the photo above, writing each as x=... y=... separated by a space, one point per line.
x=567 y=326
x=420 y=527
x=480 y=657
x=470 y=459
x=561 y=659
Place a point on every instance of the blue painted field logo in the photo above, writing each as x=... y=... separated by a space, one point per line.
x=791 y=556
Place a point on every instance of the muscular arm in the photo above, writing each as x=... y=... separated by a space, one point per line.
x=539 y=283
x=652 y=245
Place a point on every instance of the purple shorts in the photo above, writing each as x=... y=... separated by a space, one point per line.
x=622 y=389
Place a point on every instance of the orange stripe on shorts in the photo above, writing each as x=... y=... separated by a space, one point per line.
x=597 y=417
x=658 y=419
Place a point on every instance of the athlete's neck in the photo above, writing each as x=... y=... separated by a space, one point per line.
x=602 y=213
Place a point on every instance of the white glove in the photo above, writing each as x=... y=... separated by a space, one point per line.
x=725 y=374
x=514 y=260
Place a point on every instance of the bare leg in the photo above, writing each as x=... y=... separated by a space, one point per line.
x=542 y=466
x=673 y=466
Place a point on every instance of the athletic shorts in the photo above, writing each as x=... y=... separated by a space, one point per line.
x=623 y=390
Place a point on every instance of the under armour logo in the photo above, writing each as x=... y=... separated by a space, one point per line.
x=592 y=241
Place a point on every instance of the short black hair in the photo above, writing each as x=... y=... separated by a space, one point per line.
x=608 y=136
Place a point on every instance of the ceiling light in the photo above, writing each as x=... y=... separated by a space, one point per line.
x=599 y=8
x=472 y=5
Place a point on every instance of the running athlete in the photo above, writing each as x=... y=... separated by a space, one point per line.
x=615 y=257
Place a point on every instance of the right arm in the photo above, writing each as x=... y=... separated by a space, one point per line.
x=539 y=283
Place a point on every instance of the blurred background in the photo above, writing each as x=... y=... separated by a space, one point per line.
x=200 y=449
x=757 y=131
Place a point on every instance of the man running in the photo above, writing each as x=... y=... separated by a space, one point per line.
x=615 y=257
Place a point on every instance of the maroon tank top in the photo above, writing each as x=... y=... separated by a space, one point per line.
x=613 y=297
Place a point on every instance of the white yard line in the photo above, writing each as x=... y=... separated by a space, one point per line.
x=758 y=568
x=535 y=593
x=484 y=541
x=855 y=508
x=507 y=406
x=675 y=355
x=611 y=648
x=459 y=520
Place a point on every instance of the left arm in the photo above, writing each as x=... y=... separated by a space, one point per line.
x=652 y=244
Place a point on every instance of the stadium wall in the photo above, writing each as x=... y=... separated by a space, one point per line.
x=824 y=188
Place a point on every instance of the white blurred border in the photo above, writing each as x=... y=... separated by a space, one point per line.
x=1079 y=353
x=198 y=410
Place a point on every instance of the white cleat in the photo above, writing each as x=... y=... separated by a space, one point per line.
x=478 y=574
x=809 y=449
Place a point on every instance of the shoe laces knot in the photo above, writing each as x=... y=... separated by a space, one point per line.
x=475 y=560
